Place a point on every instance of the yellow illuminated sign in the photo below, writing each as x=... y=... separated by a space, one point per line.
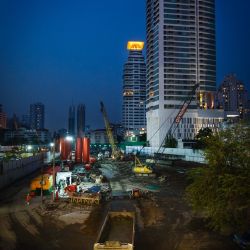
x=132 y=45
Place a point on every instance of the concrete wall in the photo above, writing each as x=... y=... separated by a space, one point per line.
x=183 y=153
x=12 y=170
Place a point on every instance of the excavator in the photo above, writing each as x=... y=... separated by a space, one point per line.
x=141 y=169
x=144 y=170
x=116 y=153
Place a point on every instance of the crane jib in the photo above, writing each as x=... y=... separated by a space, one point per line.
x=181 y=113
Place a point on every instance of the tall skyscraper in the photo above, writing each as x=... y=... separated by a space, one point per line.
x=80 y=120
x=3 y=118
x=232 y=95
x=71 y=120
x=134 y=89
x=180 y=53
x=37 y=116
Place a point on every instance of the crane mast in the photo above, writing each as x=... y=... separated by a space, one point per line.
x=115 y=151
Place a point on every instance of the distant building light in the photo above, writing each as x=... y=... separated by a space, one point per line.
x=232 y=115
x=135 y=45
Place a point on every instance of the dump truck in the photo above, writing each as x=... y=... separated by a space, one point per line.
x=117 y=231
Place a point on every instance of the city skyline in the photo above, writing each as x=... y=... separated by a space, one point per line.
x=45 y=55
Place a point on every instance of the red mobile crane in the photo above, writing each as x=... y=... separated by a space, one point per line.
x=179 y=115
x=139 y=167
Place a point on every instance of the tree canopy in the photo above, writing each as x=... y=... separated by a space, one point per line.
x=170 y=142
x=221 y=190
x=201 y=138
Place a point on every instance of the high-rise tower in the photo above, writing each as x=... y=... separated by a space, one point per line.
x=134 y=89
x=80 y=120
x=232 y=95
x=180 y=53
x=71 y=120
x=37 y=116
x=3 y=118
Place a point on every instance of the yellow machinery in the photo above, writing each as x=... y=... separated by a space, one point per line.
x=116 y=153
x=141 y=169
x=44 y=182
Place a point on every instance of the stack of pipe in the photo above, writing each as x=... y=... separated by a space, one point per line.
x=65 y=149
x=78 y=154
x=85 y=149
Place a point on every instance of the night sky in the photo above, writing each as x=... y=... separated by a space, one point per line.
x=64 y=52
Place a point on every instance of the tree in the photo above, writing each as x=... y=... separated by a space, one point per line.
x=221 y=190
x=202 y=137
x=170 y=142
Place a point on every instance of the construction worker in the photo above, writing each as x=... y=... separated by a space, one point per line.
x=28 y=199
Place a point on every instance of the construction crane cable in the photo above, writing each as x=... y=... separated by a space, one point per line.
x=179 y=115
x=158 y=129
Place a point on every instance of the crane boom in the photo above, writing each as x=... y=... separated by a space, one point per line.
x=115 y=152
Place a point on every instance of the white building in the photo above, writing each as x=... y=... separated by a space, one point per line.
x=98 y=136
x=180 y=53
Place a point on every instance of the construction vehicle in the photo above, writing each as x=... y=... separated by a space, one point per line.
x=116 y=153
x=117 y=231
x=140 y=169
x=42 y=182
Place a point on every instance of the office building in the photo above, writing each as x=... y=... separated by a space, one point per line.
x=180 y=53
x=3 y=118
x=80 y=120
x=232 y=96
x=134 y=90
x=37 y=116
x=71 y=120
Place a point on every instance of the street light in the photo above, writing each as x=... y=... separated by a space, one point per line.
x=52 y=144
x=69 y=138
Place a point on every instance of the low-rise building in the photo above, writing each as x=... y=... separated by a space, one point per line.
x=98 y=136
x=22 y=135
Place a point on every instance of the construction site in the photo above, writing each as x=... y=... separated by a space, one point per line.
x=109 y=200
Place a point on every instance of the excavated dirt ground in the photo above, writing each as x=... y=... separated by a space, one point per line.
x=164 y=220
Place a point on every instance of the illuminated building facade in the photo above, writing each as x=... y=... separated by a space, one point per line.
x=134 y=90
x=37 y=116
x=181 y=51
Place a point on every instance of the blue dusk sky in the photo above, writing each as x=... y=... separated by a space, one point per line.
x=64 y=52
